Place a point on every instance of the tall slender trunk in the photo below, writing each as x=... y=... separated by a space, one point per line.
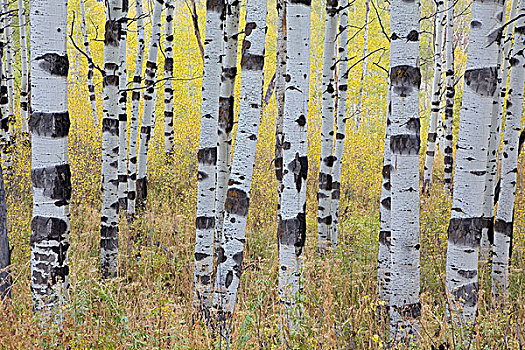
x=226 y=110
x=110 y=140
x=207 y=156
x=295 y=161
x=449 y=97
x=24 y=84
x=91 y=65
x=383 y=257
x=4 y=117
x=503 y=228
x=5 y=251
x=168 y=76
x=324 y=215
x=148 y=112
x=466 y=220
x=122 y=165
x=405 y=80
x=364 y=69
x=238 y=196
x=50 y=173
x=342 y=87
x=135 y=104
x=436 y=97
x=8 y=51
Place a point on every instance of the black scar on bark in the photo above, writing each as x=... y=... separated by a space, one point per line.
x=111 y=126
x=483 y=81
x=432 y=136
x=229 y=279
x=46 y=228
x=50 y=124
x=488 y=223
x=168 y=65
x=503 y=227
x=237 y=202
x=205 y=222
x=54 y=64
x=299 y=167
x=405 y=144
x=410 y=311
x=252 y=62
x=226 y=113
x=207 y=156
x=465 y=231
x=413 y=35
x=215 y=5
x=384 y=238
x=220 y=255
x=142 y=191
x=55 y=180
x=336 y=190
x=293 y=231
x=325 y=181
x=404 y=79
x=521 y=141
x=468 y=273
x=468 y=294
x=238 y=258
x=112 y=33
x=200 y=256
x=279 y=168
x=327 y=220
x=387 y=203
x=329 y=161
x=302 y=2
x=229 y=73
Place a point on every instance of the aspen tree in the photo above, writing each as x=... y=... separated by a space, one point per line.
x=405 y=80
x=122 y=165
x=24 y=83
x=91 y=65
x=450 y=92
x=168 y=76
x=364 y=65
x=466 y=222
x=50 y=172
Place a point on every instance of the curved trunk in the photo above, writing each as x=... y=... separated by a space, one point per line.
x=503 y=228
x=148 y=112
x=405 y=79
x=122 y=165
x=324 y=215
x=110 y=141
x=226 y=110
x=237 y=202
x=135 y=104
x=50 y=172
x=449 y=97
x=207 y=156
x=168 y=76
x=24 y=81
x=466 y=221
x=295 y=161
x=342 y=87
x=436 y=97
x=91 y=66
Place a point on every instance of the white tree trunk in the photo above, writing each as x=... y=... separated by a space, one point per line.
x=324 y=215
x=436 y=96
x=364 y=66
x=449 y=97
x=122 y=166
x=4 y=117
x=50 y=173
x=168 y=76
x=148 y=112
x=135 y=104
x=405 y=79
x=466 y=222
x=503 y=227
x=226 y=110
x=295 y=161
x=24 y=83
x=91 y=66
x=9 y=52
x=110 y=141
x=237 y=203
x=342 y=87
x=207 y=156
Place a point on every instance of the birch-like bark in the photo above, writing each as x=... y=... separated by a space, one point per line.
x=365 y=64
x=226 y=110
x=10 y=79
x=466 y=222
x=122 y=165
x=324 y=215
x=110 y=140
x=383 y=257
x=4 y=118
x=503 y=227
x=295 y=161
x=5 y=251
x=148 y=112
x=135 y=104
x=436 y=96
x=24 y=81
x=168 y=76
x=230 y=255
x=91 y=65
x=342 y=87
x=450 y=92
x=207 y=157
x=405 y=80
x=50 y=172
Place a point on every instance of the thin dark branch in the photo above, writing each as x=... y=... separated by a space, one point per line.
x=89 y=59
